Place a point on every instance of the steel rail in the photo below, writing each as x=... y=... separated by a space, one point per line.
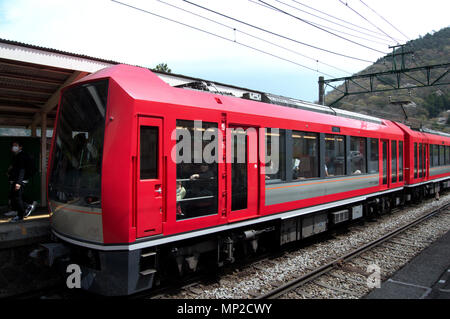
x=296 y=283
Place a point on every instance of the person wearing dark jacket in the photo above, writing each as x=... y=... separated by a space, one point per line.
x=19 y=173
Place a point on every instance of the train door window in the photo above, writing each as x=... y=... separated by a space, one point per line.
x=334 y=155
x=438 y=157
x=385 y=161
x=357 y=155
x=239 y=169
x=275 y=155
x=400 y=161
x=431 y=155
x=441 y=155
x=424 y=151
x=197 y=169
x=374 y=158
x=447 y=154
x=420 y=160
x=435 y=155
x=394 y=161
x=305 y=159
x=415 y=160
x=149 y=152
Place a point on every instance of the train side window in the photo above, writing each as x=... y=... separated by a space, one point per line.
x=424 y=151
x=305 y=159
x=374 y=157
x=431 y=155
x=334 y=155
x=149 y=152
x=275 y=155
x=400 y=161
x=394 y=161
x=357 y=155
x=415 y=160
x=441 y=155
x=197 y=169
x=385 y=162
x=420 y=160
x=447 y=154
x=435 y=155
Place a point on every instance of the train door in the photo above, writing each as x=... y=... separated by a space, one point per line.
x=149 y=189
x=385 y=163
x=242 y=172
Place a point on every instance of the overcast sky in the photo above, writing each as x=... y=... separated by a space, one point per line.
x=110 y=30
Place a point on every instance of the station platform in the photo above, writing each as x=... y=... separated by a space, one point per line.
x=32 y=229
x=426 y=276
x=19 y=273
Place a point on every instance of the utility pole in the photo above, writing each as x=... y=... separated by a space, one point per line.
x=402 y=54
x=321 y=90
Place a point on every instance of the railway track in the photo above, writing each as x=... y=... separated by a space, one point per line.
x=334 y=268
x=331 y=268
x=349 y=276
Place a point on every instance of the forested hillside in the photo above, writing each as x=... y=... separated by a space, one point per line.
x=431 y=105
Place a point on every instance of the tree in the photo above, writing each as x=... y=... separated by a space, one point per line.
x=162 y=67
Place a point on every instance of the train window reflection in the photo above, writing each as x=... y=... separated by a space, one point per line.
x=415 y=160
x=275 y=155
x=441 y=155
x=420 y=160
x=357 y=155
x=374 y=159
x=196 y=189
x=305 y=159
x=394 y=161
x=334 y=155
x=149 y=152
x=400 y=161
x=447 y=154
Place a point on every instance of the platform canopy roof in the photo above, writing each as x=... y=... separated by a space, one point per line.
x=31 y=78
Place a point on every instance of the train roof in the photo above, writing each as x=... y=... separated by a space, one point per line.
x=142 y=84
x=428 y=135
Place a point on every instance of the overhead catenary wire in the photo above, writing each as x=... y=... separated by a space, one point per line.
x=385 y=20
x=320 y=28
x=359 y=14
x=337 y=18
x=324 y=26
x=252 y=36
x=339 y=24
x=277 y=34
x=219 y=36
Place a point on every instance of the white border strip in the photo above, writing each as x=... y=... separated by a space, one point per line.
x=430 y=181
x=173 y=238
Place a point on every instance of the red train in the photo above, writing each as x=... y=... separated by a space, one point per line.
x=148 y=181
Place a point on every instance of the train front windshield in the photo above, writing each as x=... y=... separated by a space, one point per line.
x=75 y=176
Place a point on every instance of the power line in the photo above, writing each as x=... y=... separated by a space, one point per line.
x=331 y=16
x=385 y=20
x=346 y=4
x=252 y=36
x=219 y=36
x=276 y=34
x=356 y=36
x=339 y=24
x=320 y=28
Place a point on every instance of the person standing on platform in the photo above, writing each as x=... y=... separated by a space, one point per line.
x=20 y=172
